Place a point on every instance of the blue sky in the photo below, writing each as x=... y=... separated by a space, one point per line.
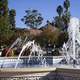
x=46 y=7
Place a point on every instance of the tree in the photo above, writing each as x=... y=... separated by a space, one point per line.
x=63 y=37
x=32 y=18
x=12 y=14
x=3 y=8
x=59 y=10
x=63 y=19
x=66 y=15
x=58 y=19
x=5 y=32
x=59 y=22
x=66 y=5
x=50 y=34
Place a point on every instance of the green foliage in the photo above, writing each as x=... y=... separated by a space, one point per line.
x=48 y=35
x=58 y=19
x=32 y=18
x=59 y=10
x=59 y=22
x=3 y=8
x=63 y=37
x=12 y=14
x=55 y=37
x=5 y=32
x=66 y=18
x=63 y=19
x=66 y=4
x=66 y=15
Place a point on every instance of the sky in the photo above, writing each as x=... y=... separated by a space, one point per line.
x=46 y=7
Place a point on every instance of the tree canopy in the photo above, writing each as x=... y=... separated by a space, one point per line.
x=12 y=14
x=59 y=10
x=32 y=18
x=5 y=32
x=61 y=21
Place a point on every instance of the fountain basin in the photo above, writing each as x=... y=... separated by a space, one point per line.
x=10 y=62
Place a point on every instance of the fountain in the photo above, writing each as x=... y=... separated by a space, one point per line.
x=27 y=45
x=34 y=50
x=36 y=56
x=36 y=66
x=72 y=47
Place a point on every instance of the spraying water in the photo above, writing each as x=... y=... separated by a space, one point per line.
x=27 y=45
x=73 y=45
x=34 y=50
x=39 y=52
x=18 y=40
